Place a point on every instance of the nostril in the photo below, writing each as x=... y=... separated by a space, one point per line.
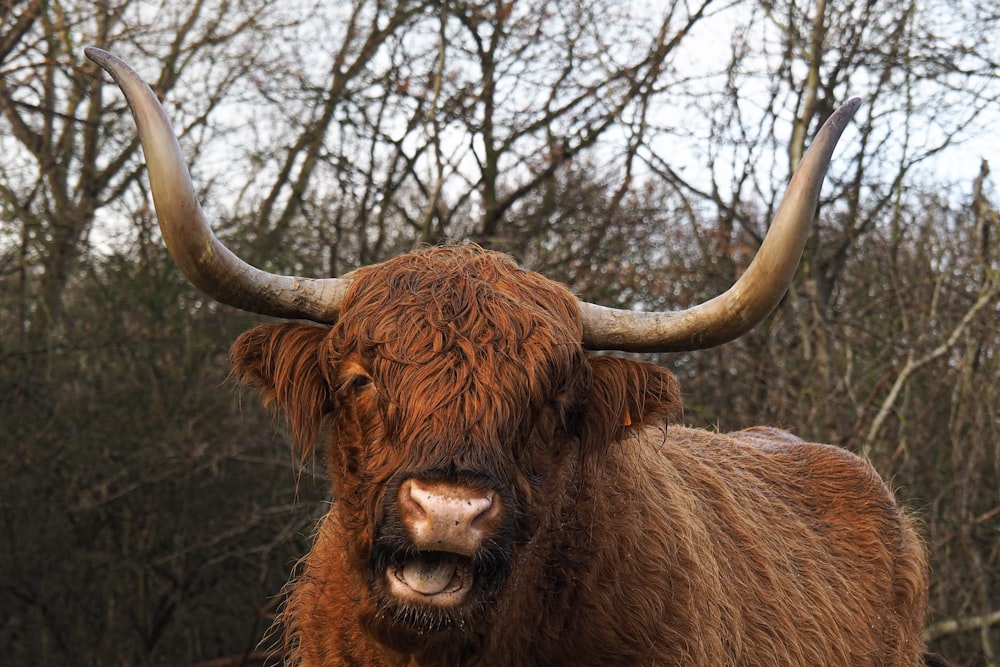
x=411 y=502
x=484 y=511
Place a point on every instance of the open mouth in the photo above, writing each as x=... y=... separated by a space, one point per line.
x=425 y=594
x=431 y=577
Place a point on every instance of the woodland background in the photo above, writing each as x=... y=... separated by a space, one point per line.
x=149 y=516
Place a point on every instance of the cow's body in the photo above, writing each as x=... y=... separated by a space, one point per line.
x=503 y=497
x=686 y=548
x=635 y=542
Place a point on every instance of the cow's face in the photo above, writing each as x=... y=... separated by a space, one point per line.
x=457 y=407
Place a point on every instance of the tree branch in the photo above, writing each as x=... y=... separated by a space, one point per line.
x=954 y=626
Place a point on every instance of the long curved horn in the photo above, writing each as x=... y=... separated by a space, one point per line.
x=756 y=293
x=212 y=267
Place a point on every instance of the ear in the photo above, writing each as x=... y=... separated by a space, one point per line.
x=283 y=362
x=627 y=394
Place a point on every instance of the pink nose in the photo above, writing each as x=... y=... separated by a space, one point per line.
x=440 y=516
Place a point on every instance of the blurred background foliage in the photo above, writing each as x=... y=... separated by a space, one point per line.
x=150 y=516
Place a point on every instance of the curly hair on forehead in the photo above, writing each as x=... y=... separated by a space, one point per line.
x=485 y=341
x=480 y=296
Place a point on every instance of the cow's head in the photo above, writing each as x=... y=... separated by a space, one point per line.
x=454 y=403
x=449 y=388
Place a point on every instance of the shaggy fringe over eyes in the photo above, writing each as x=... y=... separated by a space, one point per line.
x=468 y=348
x=461 y=327
x=282 y=362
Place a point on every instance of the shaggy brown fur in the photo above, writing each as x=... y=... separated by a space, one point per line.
x=631 y=542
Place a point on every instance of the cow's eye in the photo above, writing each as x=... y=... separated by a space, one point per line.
x=354 y=383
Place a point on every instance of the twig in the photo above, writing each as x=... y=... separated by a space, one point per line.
x=958 y=625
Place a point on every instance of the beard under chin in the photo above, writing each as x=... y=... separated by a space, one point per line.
x=445 y=633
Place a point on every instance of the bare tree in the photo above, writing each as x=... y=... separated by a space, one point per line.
x=120 y=539
x=588 y=138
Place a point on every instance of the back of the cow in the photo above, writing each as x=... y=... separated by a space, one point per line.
x=757 y=549
x=853 y=510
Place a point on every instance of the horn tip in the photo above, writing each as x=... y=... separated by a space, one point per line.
x=99 y=56
x=108 y=61
x=835 y=125
x=849 y=108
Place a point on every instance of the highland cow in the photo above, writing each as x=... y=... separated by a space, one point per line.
x=503 y=497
